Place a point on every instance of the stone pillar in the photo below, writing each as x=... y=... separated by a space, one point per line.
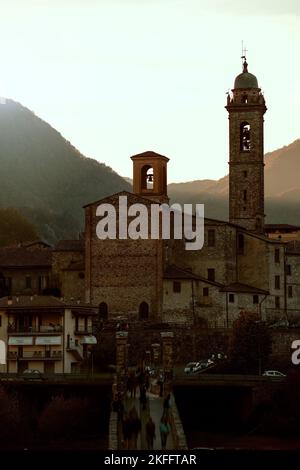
x=167 y=359
x=121 y=360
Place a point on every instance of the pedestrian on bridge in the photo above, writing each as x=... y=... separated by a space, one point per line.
x=150 y=433
x=143 y=396
x=136 y=426
x=164 y=428
x=167 y=406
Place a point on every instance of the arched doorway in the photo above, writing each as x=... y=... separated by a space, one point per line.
x=144 y=311
x=103 y=310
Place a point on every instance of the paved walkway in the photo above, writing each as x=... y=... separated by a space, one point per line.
x=155 y=409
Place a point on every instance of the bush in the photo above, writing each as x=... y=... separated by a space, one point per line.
x=64 y=419
x=250 y=344
x=9 y=417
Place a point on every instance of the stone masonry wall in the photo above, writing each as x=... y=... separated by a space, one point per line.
x=123 y=273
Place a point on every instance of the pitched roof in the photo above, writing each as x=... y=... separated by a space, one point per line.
x=36 y=243
x=69 y=245
x=243 y=289
x=269 y=227
x=45 y=302
x=33 y=301
x=29 y=244
x=133 y=196
x=75 y=266
x=174 y=272
x=23 y=257
x=149 y=154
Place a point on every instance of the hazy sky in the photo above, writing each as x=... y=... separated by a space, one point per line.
x=118 y=77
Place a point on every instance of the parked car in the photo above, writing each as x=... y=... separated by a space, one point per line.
x=32 y=374
x=150 y=370
x=273 y=373
x=220 y=356
x=190 y=367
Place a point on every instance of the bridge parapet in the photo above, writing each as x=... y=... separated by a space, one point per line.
x=178 y=434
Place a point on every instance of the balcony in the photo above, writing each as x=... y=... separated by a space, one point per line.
x=84 y=331
x=35 y=355
x=76 y=349
x=30 y=330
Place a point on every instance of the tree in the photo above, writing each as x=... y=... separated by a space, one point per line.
x=250 y=344
x=14 y=228
x=9 y=418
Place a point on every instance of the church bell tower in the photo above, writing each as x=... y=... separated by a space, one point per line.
x=246 y=107
x=150 y=176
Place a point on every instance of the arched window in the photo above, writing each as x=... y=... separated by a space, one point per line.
x=147 y=178
x=241 y=244
x=143 y=311
x=245 y=137
x=245 y=99
x=103 y=310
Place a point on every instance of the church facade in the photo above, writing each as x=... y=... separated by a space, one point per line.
x=239 y=267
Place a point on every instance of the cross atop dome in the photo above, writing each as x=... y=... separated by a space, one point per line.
x=244 y=57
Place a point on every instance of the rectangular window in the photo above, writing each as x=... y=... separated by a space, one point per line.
x=231 y=298
x=290 y=291
x=245 y=194
x=8 y=284
x=28 y=282
x=205 y=292
x=288 y=270
x=277 y=302
x=245 y=174
x=211 y=274
x=40 y=284
x=277 y=255
x=277 y=282
x=177 y=287
x=211 y=237
x=241 y=244
x=255 y=299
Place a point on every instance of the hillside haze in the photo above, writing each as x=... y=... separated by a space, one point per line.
x=47 y=178
x=282 y=188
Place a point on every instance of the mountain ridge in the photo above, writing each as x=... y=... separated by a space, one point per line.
x=49 y=181
x=45 y=176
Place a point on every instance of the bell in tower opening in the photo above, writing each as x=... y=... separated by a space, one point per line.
x=245 y=137
x=147 y=178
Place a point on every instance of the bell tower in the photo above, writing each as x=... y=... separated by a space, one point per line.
x=150 y=176
x=246 y=107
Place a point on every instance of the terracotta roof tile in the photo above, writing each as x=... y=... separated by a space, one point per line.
x=23 y=257
x=69 y=245
x=243 y=288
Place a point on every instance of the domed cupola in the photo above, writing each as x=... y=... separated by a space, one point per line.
x=245 y=79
